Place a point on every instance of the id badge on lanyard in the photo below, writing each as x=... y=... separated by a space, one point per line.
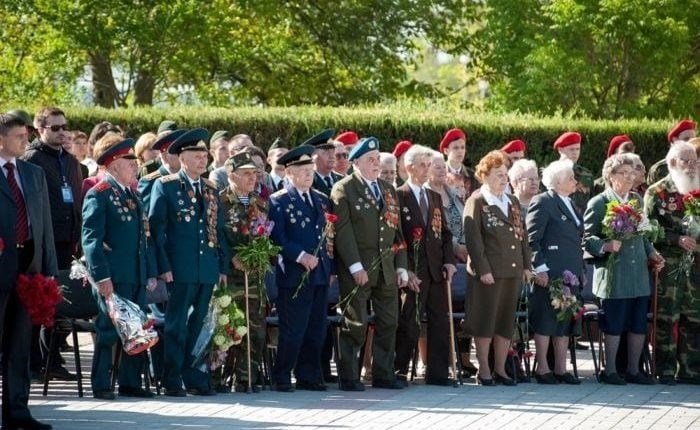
x=67 y=193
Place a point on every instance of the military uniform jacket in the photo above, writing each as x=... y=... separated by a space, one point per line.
x=554 y=237
x=657 y=171
x=116 y=236
x=188 y=232
x=630 y=276
x=320 y=185
x=299 y=228
x=584 y=188
x=496 y=243
x=238 y=224
x=145 y=185
x=364 y=230
x=434 y=249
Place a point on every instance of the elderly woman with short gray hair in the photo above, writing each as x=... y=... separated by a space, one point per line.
x=555 y=230
x=524 y=181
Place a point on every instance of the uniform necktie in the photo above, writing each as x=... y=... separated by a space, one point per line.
x=328 y=182
x=279 y=185
x=22 y=226
x=307 y=199
x=377 y=194
x=199 y=196
x=424 y=206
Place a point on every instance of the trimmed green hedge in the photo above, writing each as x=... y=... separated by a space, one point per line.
x=392 y=123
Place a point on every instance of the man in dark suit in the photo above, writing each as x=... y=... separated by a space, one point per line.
x=187 y=228
x=324 y=161
x=27 y=236
x=302 y=318
x=430 y=262
x=367 y=231
x=115 y=240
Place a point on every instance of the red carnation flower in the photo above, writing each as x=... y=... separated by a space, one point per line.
x=2 y=245
x=260 y=231
x=332 y=218
x=418 y=233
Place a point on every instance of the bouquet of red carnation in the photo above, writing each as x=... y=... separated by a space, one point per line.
x=327 y=236
x=40 y=295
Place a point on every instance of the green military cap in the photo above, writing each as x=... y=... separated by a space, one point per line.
x=278 y=143
x=167 y=125
x=219 y=134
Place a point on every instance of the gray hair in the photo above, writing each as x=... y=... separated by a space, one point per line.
x=387 y=157
x=553 y=174
x=519 y=167
x=614 y=162
x=677 y=149
x=416 y=152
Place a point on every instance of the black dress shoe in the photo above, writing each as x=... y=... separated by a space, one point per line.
x=222 y=388
x=667 y=380
x=330 y=378
x=390 y=385
x=350 y=385
x=177 y=392
x=311 y=386
x=26 y=424
x=485 y=382
x=205 y=391
x=546 y=378
x=695 y=380
x=567 y=378
x=135 y=392
x=639 y=378
x=611 y=379
x=581 y=346
x=444 y=382
x=104 y=395
x=508 y=382
x=469 y=370
x=62 y=374
x=285 y=388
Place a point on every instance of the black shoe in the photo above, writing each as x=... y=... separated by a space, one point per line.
x=62 y=374
x=104 y=395
x=205 y=391
x=135 y=392
x=508 y=382
x=26 y=424
x=36 y=376
x=330 y=378
x=469 y=371
x=567 y=378
x=611 y=379
x=639 y=378
x=485 y=382
x=351 y=385
x=242 y=387
x=391 y=385
x=310 y=386
x=222 y=388
x=285 y=388
x=177 y=392
x=546 y=378
x=444 y=382
x=667 y=380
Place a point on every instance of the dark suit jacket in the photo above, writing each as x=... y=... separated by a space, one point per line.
x=320 y=185
x=362 y=230
x=36 y=198
x=298 y=228
x=435 y=247
x=555 y=239
x=496 y=243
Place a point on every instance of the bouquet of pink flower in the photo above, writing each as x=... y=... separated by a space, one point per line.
x=564 y=302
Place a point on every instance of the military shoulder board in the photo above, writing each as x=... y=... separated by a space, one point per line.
x=102 y=186
x=152 y=176
x=170 y=178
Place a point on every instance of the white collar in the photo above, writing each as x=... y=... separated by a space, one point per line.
x=492 y=199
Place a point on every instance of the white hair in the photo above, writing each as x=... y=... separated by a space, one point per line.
x=387 y=158
x=416 y=152
x=553 y=174
x=519 y=167
x=677 y=149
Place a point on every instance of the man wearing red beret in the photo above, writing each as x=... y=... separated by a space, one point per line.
x=683 y=131
x=344 y=142
x=399 y=150
x=515 y=150
x=569 y=147
x=454 y=146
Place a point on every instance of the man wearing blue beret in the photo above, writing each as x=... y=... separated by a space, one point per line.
x=371 y=255
x=187 y=227
x=120 y=257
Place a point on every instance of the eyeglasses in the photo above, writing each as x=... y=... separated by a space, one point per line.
x=58 y=127
x=689 y=163
x=342 y=155
x=626 y=173
x=535 y=179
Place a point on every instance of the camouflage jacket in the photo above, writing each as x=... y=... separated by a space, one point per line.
x=584 y=188
x=664 y=203
x=657 y=172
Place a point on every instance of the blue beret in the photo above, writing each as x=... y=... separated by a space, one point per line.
x=322 y=140
x=297 y=156
x=191 y=140
x=123 y=149
x=363 y=146
x=164 y=140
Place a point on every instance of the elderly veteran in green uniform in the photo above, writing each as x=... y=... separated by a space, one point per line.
x=368 y=226
x=677 y=348
x=241 y=208
x=187 y=226
x=169 y=164
x=120 y=257
x=625 y=291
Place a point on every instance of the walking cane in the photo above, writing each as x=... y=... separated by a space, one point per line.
x=654 y=304
x=453 y=352
x=249 y=388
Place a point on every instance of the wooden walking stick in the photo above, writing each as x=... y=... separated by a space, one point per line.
x=453 y=352
x=249 y=388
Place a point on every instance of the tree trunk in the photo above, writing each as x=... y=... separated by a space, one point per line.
x=144 y=85
x=104 y=89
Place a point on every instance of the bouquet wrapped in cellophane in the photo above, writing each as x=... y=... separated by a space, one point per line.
x=135 y=330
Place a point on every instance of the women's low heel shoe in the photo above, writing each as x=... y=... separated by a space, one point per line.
x=546 y=378
x=485 y=382
x=509 y=382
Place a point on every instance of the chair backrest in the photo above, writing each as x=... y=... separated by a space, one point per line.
x=79 y=300
x=459 y=287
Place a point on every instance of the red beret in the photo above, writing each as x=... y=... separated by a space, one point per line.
x=567 y=139
x=347 y=138
x=615 y=143
x=514 y=146
x=401 y=148
x=679 y=128
x=451 y=136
